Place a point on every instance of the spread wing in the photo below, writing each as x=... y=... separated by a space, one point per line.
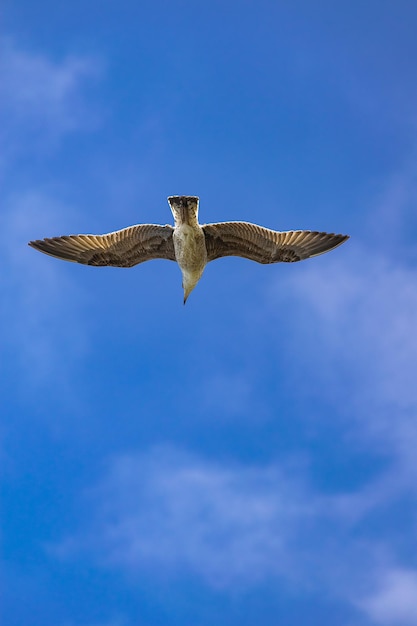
x=266 y=246
x=123 y=248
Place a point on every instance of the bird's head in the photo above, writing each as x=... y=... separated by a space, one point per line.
x=184 y=209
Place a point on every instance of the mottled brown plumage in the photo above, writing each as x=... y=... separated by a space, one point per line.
x=266 y=246
x=123 y=248
x=188 y=243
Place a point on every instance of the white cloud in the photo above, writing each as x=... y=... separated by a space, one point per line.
x=355 y=333
x=394 y=602
x=169 y=514
x=168 y=511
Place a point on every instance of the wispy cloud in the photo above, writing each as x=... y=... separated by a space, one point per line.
x=38 y=299
x=41 y=99
x=170 y=513
x=352 y=323
x=363 y=308
x=394 y=600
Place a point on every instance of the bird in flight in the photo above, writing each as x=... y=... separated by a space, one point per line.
x=188 y=243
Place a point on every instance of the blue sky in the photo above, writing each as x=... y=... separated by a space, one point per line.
x=248 y=458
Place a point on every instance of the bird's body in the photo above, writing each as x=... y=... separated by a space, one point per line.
x=191 y=254
x=188 y=243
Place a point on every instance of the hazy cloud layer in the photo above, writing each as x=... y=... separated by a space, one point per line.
x=168 y=510
x=394 y=600
x=363 y=308
x=39 y=300
x=41 y=99
x=168 y=513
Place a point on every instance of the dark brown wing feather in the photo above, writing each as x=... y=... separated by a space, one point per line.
x=266 y=246
x=123 y=248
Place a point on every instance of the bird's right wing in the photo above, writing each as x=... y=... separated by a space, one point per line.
x=266 y=246
x=122 y=248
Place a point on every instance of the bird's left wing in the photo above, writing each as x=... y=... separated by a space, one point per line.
x=122 y=248
x=266 y=246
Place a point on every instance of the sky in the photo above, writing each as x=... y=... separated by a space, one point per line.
x=248 y=458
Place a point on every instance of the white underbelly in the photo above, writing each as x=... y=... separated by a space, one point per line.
x=190 y=248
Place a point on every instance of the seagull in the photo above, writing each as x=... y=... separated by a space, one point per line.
x=188 y=243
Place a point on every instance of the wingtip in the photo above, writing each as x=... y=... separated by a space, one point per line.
x=38 y=244
x=341 y=239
